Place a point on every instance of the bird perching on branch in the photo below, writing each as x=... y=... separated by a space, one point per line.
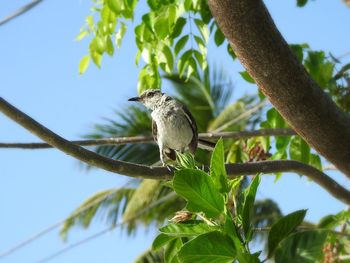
x=173 y=126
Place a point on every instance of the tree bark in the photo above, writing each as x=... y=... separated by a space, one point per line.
x=264 y=53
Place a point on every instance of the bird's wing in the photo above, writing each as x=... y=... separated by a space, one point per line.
x=154 y=130
x=194 y=142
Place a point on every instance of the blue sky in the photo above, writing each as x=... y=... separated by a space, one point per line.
x=39 y=74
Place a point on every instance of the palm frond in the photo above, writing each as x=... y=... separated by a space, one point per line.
x=142 y=197
x=133 y=121
x=127 y=203
x=231 y=117
x=266 y=213
x=205 y=96
x=108 y=203
x=151 y=256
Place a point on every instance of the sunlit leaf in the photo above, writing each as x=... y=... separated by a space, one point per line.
x=203 y=29
x=84 y=64
x=199 y=191
x=211 y=247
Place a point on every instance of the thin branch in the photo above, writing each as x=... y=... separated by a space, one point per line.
x=143 y=171
x=149 y=139
x=20 y=11
x=305 y=228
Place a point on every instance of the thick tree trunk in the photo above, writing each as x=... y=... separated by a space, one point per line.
x=265 y=54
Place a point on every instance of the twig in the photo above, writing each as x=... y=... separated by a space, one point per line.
x=304 y=228
x=143 y=171
x=20 y=11
x=149 y=139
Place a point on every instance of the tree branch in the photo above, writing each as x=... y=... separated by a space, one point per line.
x=142 y=171
x=262 y=50
x=149 y=139
x=20 y=11
x=304 y=228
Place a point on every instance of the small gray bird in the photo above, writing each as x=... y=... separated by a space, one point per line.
x=173 y=126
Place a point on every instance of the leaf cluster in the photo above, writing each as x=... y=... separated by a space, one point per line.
x=216 y=233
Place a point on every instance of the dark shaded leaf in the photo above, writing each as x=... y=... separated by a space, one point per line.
x=248 y=206
x=283 y=228
x=302 y=247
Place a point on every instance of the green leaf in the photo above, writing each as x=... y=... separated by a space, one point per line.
x=283 y=228
x=302 y=247
x=161 y=27
x=217 y=167
x=96 y=58
x=171 y=251
x=168 y=55
x=299 y=150
x=320 y=69
x=180 y=44
x=231 y=230
x=188 y=229
x=201 y=45
x=332 y=221
x=200 y=192
x=161 y=240
x=231 y=52
x=120 y=34
x=201 y=59
x=212 y=247
x=245 y=75
x=183 y=62
x=298 y=52
x=315 y=161
x=90 y=22
x=203 y=29
x=81 y=35
x=192 y=68
x=146 y=80
x=180 y=23
x=84 y=64
x=101 y=44
x=301 y=3
x=109 y=47
x=219 y=37
x=275 y=119
x=117 y=6
x=187 y=5
x=244 y=257
x=248 y=207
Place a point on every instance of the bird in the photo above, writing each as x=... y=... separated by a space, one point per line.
x=173 y=126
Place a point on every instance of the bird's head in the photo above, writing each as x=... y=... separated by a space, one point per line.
x=151 y=98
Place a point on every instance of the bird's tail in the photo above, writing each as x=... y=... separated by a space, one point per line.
x=206 y=145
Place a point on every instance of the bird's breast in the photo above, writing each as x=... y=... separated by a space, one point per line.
x=173 y=128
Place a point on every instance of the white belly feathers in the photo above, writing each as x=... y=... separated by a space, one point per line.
x=174 y=128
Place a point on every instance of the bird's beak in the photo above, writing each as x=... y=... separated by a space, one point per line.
x=134 y=99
